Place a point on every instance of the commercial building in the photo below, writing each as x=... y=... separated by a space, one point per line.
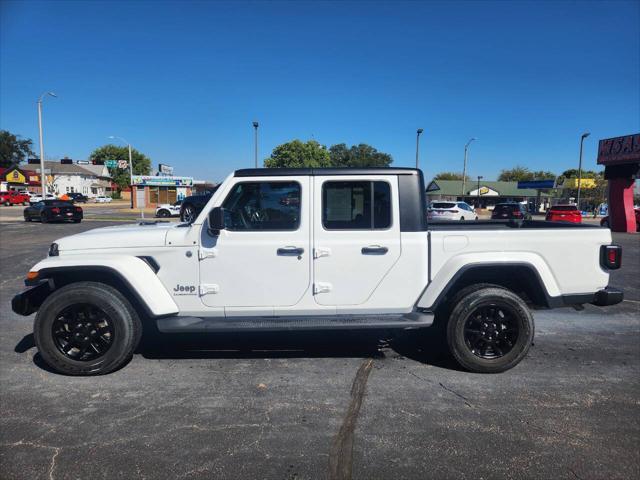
x=67 y=177
x=16 y=178
x=151 y=191
x=487 y=194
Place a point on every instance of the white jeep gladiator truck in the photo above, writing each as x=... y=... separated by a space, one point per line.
x=289 y=249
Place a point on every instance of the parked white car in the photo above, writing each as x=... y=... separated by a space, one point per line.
x=169 y=209
x=451 y=211
x=36 y=197
x=103 y=199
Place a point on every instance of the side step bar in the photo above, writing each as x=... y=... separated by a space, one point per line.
x=340 y=322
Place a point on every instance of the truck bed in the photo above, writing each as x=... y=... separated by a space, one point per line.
x=505 y=225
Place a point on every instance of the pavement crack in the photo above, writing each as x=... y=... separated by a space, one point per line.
x=341 y=451
x=56 y=452
x=462 y=397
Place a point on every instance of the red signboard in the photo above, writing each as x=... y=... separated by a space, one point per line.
x=619 y=150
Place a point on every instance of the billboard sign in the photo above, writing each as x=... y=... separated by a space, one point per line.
x=537 y=184
x=161 y=181
x=619 y=150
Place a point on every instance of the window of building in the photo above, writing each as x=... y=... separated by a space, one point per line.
x=263 y=206
x=349 y=205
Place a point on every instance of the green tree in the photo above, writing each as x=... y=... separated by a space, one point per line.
x=14 y=149
x=450 y=176
x=520 y=173
x=120 y=176
x=361 y=155
x=515 y=174
x=297 y=154
x=573 y=173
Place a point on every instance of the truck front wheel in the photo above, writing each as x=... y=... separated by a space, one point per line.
x=489 y=330
x=86 y=328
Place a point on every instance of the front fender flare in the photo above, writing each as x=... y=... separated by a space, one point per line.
x=136 y=274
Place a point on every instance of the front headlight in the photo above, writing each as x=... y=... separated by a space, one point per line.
x=53 y=250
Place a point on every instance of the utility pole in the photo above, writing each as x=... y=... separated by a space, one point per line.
x=464 y=167
x=478 y=191
x=130 y=167
x=418 y=132
x=255 y=127
x=584 y=135
x=43 y=176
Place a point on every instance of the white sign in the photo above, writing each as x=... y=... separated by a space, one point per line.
x=123 y=164
x=484 y=192
x=165 y=169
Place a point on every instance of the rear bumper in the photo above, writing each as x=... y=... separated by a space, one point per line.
x=608 y=296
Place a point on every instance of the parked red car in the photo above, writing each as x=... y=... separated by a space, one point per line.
x=605 y=221
x=13 y=197
x=564 y=213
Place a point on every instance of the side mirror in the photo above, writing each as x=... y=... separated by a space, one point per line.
x=216 y=220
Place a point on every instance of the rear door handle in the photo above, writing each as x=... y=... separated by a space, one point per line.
x=290 y=251
x=374 y=250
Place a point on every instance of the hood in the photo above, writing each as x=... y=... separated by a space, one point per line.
x=121 y=236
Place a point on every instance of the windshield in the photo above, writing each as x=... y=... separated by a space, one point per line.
x=443 y=205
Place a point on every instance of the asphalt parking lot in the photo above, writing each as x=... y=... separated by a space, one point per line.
x=324 y=406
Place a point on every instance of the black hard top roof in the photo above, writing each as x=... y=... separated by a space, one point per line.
x=286 y=172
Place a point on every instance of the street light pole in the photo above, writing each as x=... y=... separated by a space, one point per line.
x=418 y=132
x=255 y=127
x=478 y=191
x=130 y=167
x=464 y=167
x=43 y=177
x=584 y=135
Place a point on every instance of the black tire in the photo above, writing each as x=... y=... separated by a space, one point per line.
x=605 y=223
x=27 y=218
x=123 y=319
x=477 y=219
x=510 y=343
x=462 y=219
x=77 y=220
x=164 y=213
x=43 y=218
x=188 y=214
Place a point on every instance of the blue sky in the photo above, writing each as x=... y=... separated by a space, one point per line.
x=182 y=81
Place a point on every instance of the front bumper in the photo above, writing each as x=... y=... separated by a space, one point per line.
x=28 y=301
x=608 y=296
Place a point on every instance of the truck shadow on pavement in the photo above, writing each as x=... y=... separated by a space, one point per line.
x=425 y=347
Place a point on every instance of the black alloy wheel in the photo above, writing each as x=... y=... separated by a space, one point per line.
x=489 y=328
x=83 y=332
x=163 y=213
x=491 y=331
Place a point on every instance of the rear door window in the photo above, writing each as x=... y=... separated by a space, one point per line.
x=356 y=205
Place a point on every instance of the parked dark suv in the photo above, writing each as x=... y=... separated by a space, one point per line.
x=76 y=197
x=193 y=205
x=510 y=211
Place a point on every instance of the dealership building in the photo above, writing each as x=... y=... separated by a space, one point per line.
x=151 y=191
x=485 y=194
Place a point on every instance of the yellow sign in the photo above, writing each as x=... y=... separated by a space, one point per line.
x=14 y=176
x=484 y=190
x=585 y=183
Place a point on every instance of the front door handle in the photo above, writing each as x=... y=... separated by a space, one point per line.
x=290 y=251
x=374 y=250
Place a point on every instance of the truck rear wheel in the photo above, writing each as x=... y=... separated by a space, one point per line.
x=86 y=328
x=489 y=330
